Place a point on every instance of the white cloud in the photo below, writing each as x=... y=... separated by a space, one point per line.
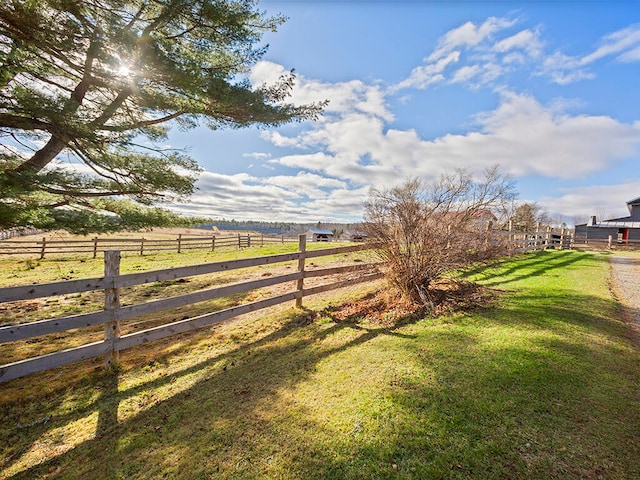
x=513 y=58
x=491 y=47
x=601 y=200
x=469 y=35
x=564 y=69
x=353 y=151
x=466 y=73
x=306 y=184
x=343 y=204
x=471 y=55
x=303 y=197
x=522 y=135
x=615 y=43
x=548 y=142
x=354 y=144
x=526 y=40
x=630 y=55
x=423 y=76
x=353 y=95
x=257 y=155
x=240 y=196
x=314 y=161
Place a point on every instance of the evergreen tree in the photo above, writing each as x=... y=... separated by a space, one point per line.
x=88 y=89
x=527 y=216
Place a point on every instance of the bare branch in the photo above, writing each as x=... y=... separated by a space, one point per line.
x=425 y=231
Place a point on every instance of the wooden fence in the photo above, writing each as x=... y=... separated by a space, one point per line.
x=18 y=232
x=95 y=246
x=113 y=313
x=610 y=243
x=521 y=242
x=113 y=282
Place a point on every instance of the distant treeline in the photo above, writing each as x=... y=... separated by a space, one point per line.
x=277 y=228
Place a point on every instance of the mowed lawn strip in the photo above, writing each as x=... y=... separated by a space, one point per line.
x=543 y=383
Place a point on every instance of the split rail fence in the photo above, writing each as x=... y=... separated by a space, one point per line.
x=95 y=246
x=113 y=313
x=522 y=242
x=19 y=232
x=610 y=243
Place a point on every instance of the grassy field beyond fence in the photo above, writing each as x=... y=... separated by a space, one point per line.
x=542 y=384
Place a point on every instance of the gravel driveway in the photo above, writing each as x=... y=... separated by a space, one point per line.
x=625 y=280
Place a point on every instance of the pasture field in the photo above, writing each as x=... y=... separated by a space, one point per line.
x=541 y=382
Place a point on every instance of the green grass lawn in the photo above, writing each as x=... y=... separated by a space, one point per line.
x=542 y=384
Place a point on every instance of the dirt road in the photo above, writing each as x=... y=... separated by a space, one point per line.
x=625 y=281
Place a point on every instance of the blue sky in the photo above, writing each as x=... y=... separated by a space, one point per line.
x=550 y=91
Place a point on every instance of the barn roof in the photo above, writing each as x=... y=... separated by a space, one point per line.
x=633 y=203
x=618 y=223
x=632 y=221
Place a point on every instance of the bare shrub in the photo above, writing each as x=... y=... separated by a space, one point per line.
x=426 y=230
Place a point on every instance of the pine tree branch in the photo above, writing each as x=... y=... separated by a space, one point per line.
x=23 y=123
x=142 y=124
x=87 y=194
x=110 y=110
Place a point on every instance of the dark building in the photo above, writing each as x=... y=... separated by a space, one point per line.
x=621 y=229
x=354 y=236
x=317 y=235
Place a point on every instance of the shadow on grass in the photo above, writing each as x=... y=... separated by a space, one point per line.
x=528 y=266
x=238 y=376
x=536 y=392
x=542 y=388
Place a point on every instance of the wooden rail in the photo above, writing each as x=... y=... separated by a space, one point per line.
x=19 y=232
x=521 y=242
x=113 y=313
x=94 y=246
x=610 y=243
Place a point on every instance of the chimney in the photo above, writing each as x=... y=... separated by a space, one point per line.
x=592 y=221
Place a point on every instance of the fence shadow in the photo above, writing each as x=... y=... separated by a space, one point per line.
x=236 y=375
x=230 y=406
x=235 y=388
x=528 y=266
x=107 y=424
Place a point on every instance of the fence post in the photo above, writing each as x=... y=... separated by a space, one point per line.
x=239 y=240
x=179 y=242
x=248 y=240
x=511 y=236
x=610 y=243
x=302 y=248
x=95 y=247
x=142 y=246
x=213 y=242
x=262 y=239
x=44 y=246
x=547 y=238
x=111 y=302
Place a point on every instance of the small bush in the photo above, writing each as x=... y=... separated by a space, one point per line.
x=425 y=231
